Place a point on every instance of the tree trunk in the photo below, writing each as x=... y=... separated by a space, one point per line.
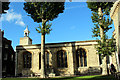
x=43 y=52
x=104 y=66
x=104 y=63
x=43 y=56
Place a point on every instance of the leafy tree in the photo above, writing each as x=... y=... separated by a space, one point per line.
x=5 y=6
x=43 y=12
x=100 y=18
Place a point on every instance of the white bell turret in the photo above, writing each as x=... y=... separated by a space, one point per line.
x=26 y=32
x=26 y=40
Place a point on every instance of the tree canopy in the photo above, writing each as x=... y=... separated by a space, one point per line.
x=104 y=6
x=5 y=6
x=43 y=10
x=101 y=19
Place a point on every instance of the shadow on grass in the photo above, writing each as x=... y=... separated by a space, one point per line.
x=95 y=77
x=110 y=77
x=61 y=78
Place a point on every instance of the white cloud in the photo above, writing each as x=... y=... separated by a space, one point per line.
x=16 y=0
x=1 y=18
x=72 y=27
x=20 y=23
x=11 y=16
x=72 y=7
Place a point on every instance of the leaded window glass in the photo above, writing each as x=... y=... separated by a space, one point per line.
x=61 y=59
x=81 y=58
x=27 y=56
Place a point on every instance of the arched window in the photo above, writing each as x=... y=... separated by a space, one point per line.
x=81 y=58
x=61 y=59
x=27 y=58
x=47 y=59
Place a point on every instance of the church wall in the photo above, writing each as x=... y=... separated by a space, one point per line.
x=92 y=58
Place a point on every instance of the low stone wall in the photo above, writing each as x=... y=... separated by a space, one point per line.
x=88 y=70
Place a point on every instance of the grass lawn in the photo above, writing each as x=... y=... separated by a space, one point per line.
x=95 y=77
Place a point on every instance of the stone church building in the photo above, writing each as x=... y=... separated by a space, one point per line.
x=65 y=58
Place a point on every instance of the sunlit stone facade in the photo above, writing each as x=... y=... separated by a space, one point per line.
x=67 y=58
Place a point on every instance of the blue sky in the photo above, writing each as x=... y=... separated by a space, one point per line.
x=74 y=24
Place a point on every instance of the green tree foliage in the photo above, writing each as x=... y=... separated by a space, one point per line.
x=104 y=22
x=105 y=6
x=46 y=30
x=44 y=10
x=101 y=19
x=107 y=47
x=5 y=6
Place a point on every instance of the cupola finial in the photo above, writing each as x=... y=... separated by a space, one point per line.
x=26 y=32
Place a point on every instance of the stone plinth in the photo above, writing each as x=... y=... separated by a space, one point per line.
x=52 y=75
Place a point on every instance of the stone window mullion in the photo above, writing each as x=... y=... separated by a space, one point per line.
x=83 y=58
x=47 y=60
x=60 y=59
